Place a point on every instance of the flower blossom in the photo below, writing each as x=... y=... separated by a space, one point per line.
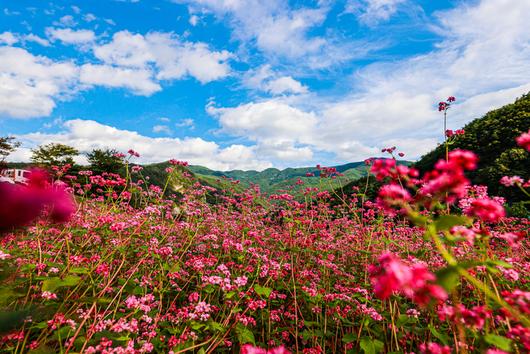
x=524 y=141
x=415 y=282
x=250 y=349
x=22 y=204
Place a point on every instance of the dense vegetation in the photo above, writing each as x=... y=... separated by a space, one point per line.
x=492 y=138
x=135 y=271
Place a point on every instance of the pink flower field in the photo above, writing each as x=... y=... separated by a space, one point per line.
x=434 y=265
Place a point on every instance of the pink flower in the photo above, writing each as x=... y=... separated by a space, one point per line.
x=434 y=348
x=511 y=181
x=524 y=141
x=22 y=204
x=486 y=209
x=415 y=282
x=250 y=349
x=48 y=295
x=393 y=195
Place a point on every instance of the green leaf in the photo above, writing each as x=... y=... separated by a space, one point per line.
x=216 y=326
x=500 y=342
x=54 y=283
x=12 y=320
x=371 y=346
x=349 y=337
x=441 y=337
x=448 y=278
x=262 y=291
x=244 y=335
x=79 y=270
x=445 y=222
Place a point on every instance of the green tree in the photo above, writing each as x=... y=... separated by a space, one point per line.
x=492 y=138
x=54 y=154
x=8 y=144
x=105 y=160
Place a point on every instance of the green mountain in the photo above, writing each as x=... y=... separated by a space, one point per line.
x=270 y=180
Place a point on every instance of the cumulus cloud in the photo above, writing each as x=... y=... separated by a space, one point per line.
x=483 y=59
x=86 y=135
x=139 y=81
x=279 y=129
x=371 y=12
x=29 y=85
x=278 y=30
x=172 y=57
x=70 y=36
x=266 y=79
x=8 y=38
x=161 y=128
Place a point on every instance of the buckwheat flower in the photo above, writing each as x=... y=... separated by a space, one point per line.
x=133 y=153
x=48 y=295
x=393 y=195
x=241 y=281
x=524 y=141
x=250 y=349
x=511 y=181
x=4 y=256
x=22 y=204
x=495 y=351
x=486 y=209
x=434 y=348
x=389 y=276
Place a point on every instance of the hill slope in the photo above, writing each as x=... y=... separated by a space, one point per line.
x=492 y=138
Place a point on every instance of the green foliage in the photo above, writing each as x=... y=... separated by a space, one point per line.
x=371 y=346
x=54 y=154
x=104 y=160
x=492 y=138
x=8 y=144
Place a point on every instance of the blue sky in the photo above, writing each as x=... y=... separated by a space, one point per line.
x=252 y=84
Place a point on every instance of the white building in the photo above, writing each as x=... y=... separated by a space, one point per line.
x=13 y=175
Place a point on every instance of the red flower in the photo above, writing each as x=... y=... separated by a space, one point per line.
x=451 y=99
x=22 y=204
x=250 y=349
x=524 y=141
x=486 y=209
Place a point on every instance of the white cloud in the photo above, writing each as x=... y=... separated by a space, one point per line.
x=194 y=20
x=265 y=79
x=186 y=123
x=161 y=128
x=34 y=38
x=8 y=38
x=67 y=21
x=69 y=36
x=29 y=85
x=173 y=58
x=86 y=135
x=279 y=130
x=285 y=84
x=139 y=81
x=371 y=12
x=280 y=31
x=89 y=17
